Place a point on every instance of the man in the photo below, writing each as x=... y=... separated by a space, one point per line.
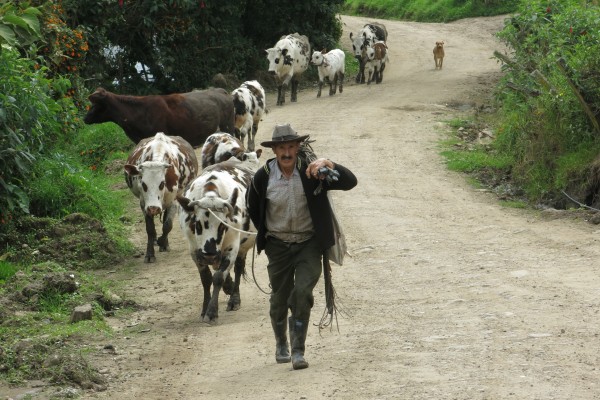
x=294 y=225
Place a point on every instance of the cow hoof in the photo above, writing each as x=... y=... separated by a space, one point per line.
x=234 y=303
x=210 y=321
x=341 y=90
x=149 y=259
x=163 y=244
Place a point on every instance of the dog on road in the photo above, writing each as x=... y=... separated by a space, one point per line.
x=438 y=54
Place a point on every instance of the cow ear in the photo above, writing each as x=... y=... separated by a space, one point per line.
x=131 y=170
x=258 y=153
x=350 y=35
x=184 y=202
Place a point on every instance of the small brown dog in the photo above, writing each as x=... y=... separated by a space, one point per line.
x=438 y=54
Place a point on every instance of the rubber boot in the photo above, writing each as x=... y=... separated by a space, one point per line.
x=282 y=352
x=298 y=331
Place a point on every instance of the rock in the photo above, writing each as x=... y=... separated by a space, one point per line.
x=81 y=313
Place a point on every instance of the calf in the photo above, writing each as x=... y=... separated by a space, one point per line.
x=366 y=37
x=376 y=59
x=215 y=221
x=157 y=170
x=250 y=104
x=288 y=59
x=221 y=147
x=193 y=116
x=331 y=66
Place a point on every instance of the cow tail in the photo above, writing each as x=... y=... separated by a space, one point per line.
x=331 y=309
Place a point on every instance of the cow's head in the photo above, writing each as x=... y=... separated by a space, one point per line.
x=96 y=113
x=317 y=58
x=155 y=179
x=278 y=58
x=209 y=217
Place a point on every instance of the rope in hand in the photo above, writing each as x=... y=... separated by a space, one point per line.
x=253 y=247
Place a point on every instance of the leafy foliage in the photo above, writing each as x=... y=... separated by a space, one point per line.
x=30 y=119
x=552 y=149
x=19 y=26
x=160 y=46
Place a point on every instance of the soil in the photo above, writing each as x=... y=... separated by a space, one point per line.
x=445 y=294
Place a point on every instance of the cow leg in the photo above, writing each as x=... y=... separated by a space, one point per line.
x=206 y=278
x=361 y=69
x=235 y=301
x=218 y=280
x=333 y=85
x=380 y=76
x=341 y=74
x=320 y=87
x=163 y=240
x=294 y=95
x=252 y=135
x=151 y=232
x=280 y=95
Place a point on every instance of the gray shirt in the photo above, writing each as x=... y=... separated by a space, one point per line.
x=288 y=218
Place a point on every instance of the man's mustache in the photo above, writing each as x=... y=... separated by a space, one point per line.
x=286 y=157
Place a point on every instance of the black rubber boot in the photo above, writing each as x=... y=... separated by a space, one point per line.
x=298 y=331
x=282 y=352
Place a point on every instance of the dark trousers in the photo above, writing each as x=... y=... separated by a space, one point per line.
x=294 y=270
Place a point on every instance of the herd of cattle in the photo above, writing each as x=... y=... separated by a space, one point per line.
x=163 y=171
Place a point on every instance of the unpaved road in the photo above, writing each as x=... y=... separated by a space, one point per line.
x=448 y=294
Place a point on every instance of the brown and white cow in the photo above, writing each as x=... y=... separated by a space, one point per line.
x=215 y=221
x=288 y=59
x=193 y=116
x=157 y=170
x=366 y=37
x=376 y=57
x=249 y=103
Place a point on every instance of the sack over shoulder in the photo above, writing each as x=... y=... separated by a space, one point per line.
x=336 y=252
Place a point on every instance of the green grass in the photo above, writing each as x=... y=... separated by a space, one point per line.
x=428 y=10
x=7 y=269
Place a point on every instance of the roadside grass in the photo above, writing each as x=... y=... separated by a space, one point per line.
x=428 y=10
x=50 y=265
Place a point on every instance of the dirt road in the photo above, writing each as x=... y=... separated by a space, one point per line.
x=448 y=294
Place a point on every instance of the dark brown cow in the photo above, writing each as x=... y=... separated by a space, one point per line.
x=193 y=116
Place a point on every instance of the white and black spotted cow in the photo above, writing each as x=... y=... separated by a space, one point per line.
x=214 y=219
x=249 y=103
x=366 y=37
x=157 y=170
x=331 y=65
x=288 y=59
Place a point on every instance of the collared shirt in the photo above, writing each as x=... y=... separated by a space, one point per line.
x=287 y=215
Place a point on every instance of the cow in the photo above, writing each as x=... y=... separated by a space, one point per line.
x=193 y=116
x=288 y=59
x=249 y=103
x=366 y=37
x=221 y=146
x=376 y=59
x=214 y=219
x=331 y=65
x=157 y=170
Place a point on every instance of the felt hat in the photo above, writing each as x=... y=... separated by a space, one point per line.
x=283 y=133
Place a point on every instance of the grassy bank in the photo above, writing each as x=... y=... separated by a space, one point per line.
x=429 y=10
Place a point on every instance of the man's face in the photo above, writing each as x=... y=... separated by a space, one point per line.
x=286 y=154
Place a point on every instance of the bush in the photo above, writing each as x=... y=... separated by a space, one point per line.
x=30 y=121
x=552 y=76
